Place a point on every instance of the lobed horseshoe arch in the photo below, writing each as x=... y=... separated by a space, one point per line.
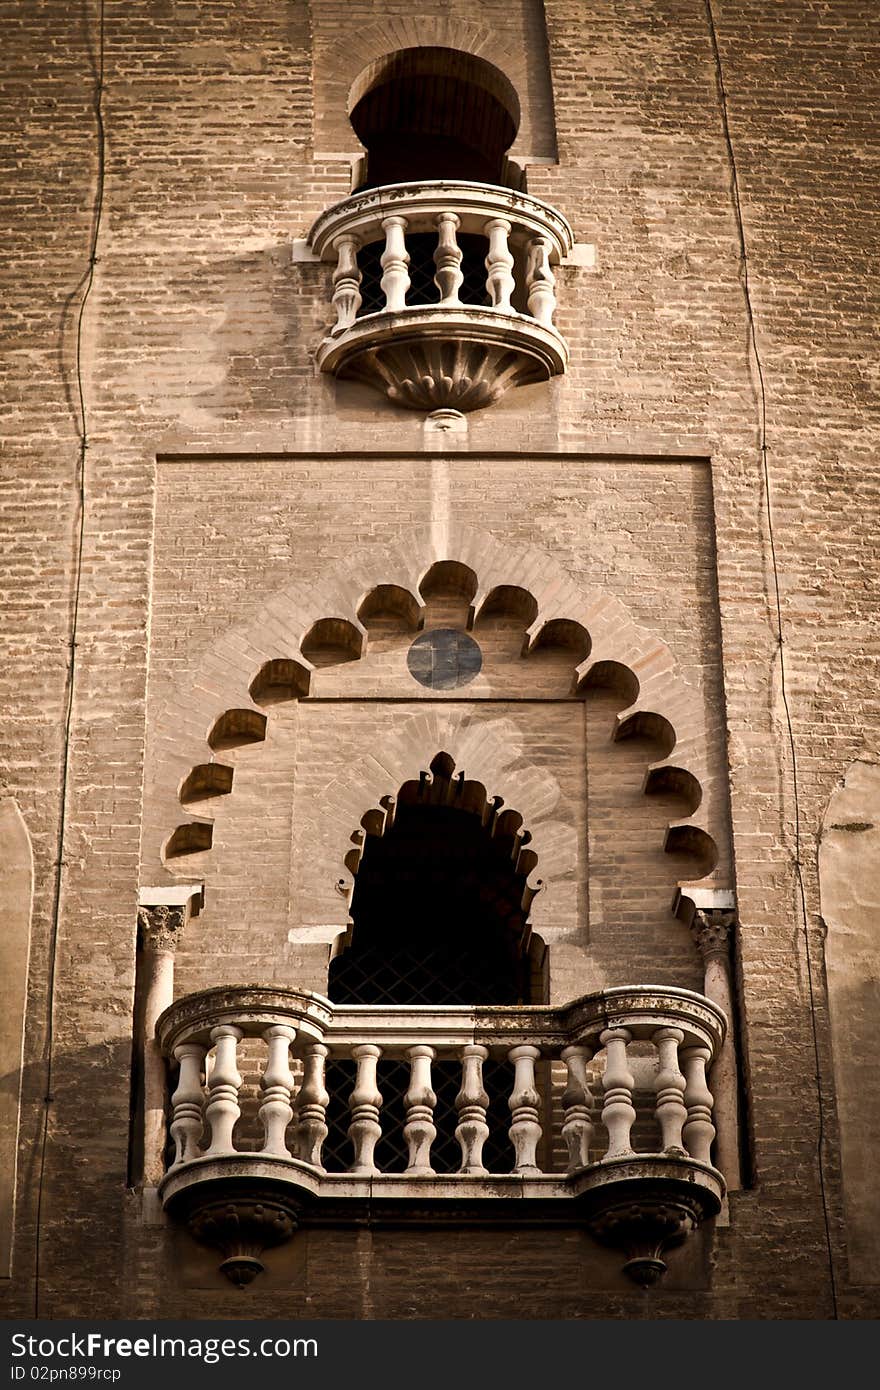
x=298 y=630
x=443 y=882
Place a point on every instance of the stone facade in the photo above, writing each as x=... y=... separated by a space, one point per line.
x=237 y=507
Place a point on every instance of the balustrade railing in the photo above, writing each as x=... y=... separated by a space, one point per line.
x=666 y=1038
x=444 y=293
x=521 y=239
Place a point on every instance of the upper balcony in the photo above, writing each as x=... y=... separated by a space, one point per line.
x=595 y=1113
x=444 y=291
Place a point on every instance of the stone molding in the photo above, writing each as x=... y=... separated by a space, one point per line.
x=362 y=215
x=252 y=1008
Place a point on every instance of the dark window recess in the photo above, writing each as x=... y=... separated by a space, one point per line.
x=434 y=113
x=421 y=247
x=438 y=919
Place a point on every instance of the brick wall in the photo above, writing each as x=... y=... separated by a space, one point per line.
x=197 y=343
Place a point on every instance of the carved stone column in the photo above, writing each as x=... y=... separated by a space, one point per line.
x=162 y=916
x=712 y=929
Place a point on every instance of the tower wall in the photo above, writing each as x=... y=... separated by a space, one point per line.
x=221 y=466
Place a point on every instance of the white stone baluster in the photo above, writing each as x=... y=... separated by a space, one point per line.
x=311 y=1106
x=525 y=1129
x=669 y=1107
x=447 y=259
x=277 y=1082
x=223 y=1109
x=188 y=1103
x=471 y=1104
x=618 y=1112
x=699 y=1130
x=577 y=1126
x=540 y=281
x=365 y=1102
x=420 y=1130
x=500 y=283
x=394 y=261
x=346 y=283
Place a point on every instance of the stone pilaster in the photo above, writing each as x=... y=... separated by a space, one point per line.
x=162 y=917
x=711 y=916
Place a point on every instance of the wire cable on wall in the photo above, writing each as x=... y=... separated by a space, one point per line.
x=780 y=628
x=84 y=289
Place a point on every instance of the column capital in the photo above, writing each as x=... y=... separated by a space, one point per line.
x=711 y=929
x=164 y=912
x=159 y=927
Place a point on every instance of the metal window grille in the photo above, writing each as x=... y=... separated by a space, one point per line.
x=420 y=246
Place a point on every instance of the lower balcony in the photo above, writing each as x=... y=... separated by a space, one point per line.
x=289 y=1110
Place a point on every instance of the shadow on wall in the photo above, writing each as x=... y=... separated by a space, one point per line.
x=83 y=1178
x=16 y=897
x=849 y=881
x=237 y=345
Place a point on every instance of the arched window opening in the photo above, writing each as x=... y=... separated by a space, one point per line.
x=434 y=113
x=441 y=901
x=440 y=916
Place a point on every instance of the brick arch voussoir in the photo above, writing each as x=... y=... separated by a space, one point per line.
x=385 y=37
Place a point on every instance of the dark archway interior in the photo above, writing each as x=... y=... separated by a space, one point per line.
x=438 y=916
x=438 y=919
x=433 y=113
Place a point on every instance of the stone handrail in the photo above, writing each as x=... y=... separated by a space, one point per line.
x=202 y=1033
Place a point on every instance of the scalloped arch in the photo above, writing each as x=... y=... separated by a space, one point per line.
x=620 y=652
x=441 y=783
x=487 y=754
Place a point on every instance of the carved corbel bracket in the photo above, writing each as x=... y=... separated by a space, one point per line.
x=644 y=1228
x=651 y=1204
x=242 y=1227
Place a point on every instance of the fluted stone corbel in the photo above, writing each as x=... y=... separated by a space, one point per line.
x=163 y=913
x=711 y=916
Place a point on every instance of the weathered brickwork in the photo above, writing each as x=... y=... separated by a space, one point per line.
x=222 y=468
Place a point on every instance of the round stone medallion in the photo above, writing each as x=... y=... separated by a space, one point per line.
x=444 y=659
